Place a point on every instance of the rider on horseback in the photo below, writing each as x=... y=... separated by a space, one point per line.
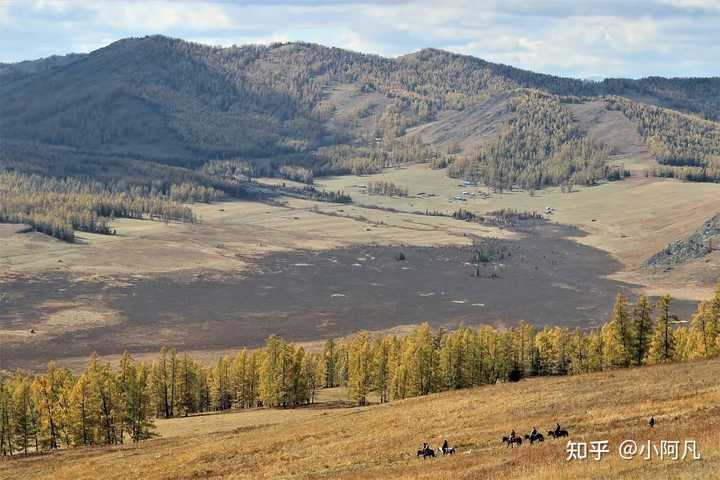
x=534 y=432
x=445 y=446
x=557 y=429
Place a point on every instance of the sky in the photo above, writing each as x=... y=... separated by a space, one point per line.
x=577 y=38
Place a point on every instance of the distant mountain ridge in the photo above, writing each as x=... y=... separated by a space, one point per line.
x=166 y=100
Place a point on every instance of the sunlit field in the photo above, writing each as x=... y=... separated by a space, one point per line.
x=329 y=440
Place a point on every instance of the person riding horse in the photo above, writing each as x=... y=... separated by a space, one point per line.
x=445 y=447
x=426 y=451
x=535 y=436
x=557 y=429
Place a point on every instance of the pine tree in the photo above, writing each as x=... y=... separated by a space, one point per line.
x=420 y=360
x=578 y=352
x=220 y=385
x=47 y=394
x=24 y=420
x=662 y=344
x=702 y=335
x=360 y=367
x=135 y=400
x=617 y=336
x=187 y=386
x=142 y=423
x=642 y=329
x=103 y=388
x=160 y=379
x=452 y=360
x=272 y=374
x=6 y=417
x=311 y=372
x=382 y=364
x=82 y=407
x=524 y=339
x=596 y=348
x=297 y=389
x=330 y=361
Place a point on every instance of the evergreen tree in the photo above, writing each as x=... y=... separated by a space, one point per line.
x=24 y=420
x=617 y=336
x=361 y=373
x=642 y=329
x=272 y=373
x=6 y=418
x=382 y=367
x=330 y=358
x=47 y=390
x=662 y=345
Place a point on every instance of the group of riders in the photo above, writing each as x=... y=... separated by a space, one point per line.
x=512 y=440
x=427 y=450
x=534 y=436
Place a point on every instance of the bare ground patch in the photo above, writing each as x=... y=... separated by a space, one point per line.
x=543 y=277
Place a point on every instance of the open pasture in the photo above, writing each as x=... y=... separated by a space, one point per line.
x=249 y=269
x=630 y=219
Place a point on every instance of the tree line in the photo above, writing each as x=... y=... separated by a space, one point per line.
x=58 y=207
x=386 y=188
x=107 y=404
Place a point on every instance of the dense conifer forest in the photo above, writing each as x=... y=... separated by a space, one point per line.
x=674 y=139
x=59 y=207
x=540 y=145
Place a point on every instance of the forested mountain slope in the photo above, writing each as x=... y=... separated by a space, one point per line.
x=329 y=110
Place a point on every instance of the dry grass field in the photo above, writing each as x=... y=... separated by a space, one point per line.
x=83 y=290
x=228 y=233
x=631 y=219
x=380 y=441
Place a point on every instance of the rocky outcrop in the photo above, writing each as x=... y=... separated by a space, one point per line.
x=700 y=243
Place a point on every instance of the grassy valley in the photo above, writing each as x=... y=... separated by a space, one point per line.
x=353 y=255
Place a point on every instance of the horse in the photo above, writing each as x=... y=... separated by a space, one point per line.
x=426 y=452
x=447 y=451
x=511 y=441
x=538 y=437
x=558 y=434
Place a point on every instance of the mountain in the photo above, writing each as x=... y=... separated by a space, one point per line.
x=13 y=71
x=167 y=101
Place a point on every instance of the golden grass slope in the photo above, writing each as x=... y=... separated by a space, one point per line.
x=381 y=441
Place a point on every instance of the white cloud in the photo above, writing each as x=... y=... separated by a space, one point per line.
x=159 y=16
x=4 y=14
x=694 y=4
x=163 y=16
